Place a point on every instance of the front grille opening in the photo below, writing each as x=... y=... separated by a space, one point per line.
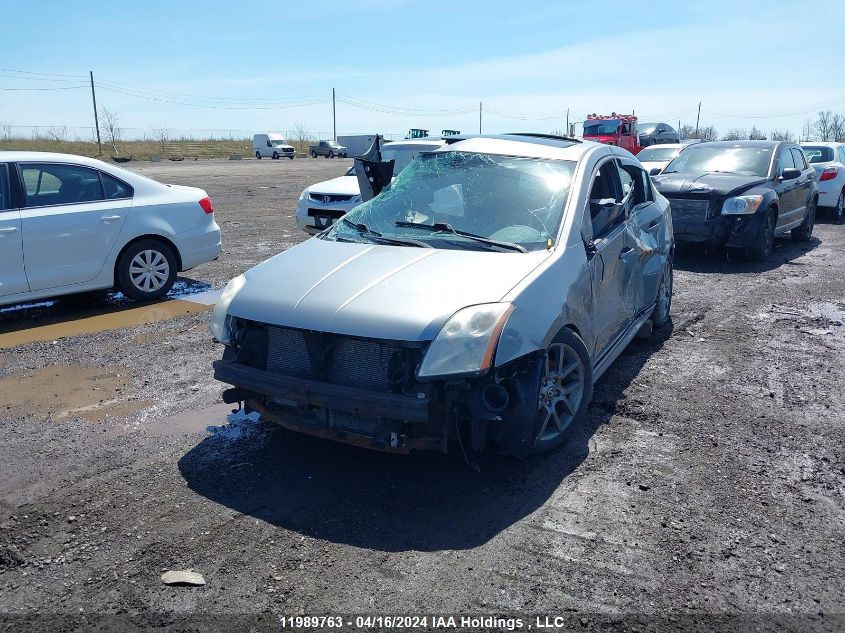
x=385 y=366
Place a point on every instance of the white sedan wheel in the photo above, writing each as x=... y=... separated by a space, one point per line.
x=149 y=271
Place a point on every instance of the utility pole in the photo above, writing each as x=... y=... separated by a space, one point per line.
x=697 y=118
x=568 y=132
x=479 y=117
x=334 y=118
x=96 y=120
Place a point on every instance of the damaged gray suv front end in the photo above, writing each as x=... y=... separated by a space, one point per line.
x=476 y=299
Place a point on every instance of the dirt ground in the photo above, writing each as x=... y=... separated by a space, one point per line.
x=709 y=478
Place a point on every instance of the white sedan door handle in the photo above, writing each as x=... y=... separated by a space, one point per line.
x=110 y=218
x=8 y=229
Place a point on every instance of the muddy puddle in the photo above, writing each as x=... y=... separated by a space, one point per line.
x=55 y=322
x=60 y=392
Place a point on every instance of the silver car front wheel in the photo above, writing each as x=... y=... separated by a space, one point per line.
x=561 y=392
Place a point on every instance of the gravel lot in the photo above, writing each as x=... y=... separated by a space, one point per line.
x=709 y=477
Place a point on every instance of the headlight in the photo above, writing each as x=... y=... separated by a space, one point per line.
x=466 y=343
x=742 y=205
x=219 y=316
x=303 y=195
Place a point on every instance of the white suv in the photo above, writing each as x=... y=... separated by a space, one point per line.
x=828 y=159
x=71 y=224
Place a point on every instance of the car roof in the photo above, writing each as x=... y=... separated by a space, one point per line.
x=821 y=144
x=665 y=145
x=528 y=146
x=54 y=157
x=746 y=143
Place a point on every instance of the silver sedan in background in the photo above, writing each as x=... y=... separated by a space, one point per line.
x=476 y=299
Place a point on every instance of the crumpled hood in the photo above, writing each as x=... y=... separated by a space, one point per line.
x=343 y=185
x=376 y=291
x=707 y=183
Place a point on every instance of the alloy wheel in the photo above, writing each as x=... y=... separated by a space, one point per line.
x=840 y=207
x=769 y=236
x=561 y=391
x=149 y=270
x=664 y=294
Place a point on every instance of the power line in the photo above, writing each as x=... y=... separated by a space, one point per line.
x=40 y=89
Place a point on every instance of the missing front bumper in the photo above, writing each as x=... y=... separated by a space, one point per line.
x=382 y=421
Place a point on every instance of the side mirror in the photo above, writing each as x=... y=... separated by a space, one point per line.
x=654 y=171
x=790 y=173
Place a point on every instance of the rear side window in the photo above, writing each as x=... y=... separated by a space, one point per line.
x=605 y=211
x=640 y=184
x=785 y=160
x=48 y=184
x=113 y=188
x=798 y=156
x=5 y=193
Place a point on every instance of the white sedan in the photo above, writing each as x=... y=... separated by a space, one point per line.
x=322 y=204
x=72 y=224
x=828 y=159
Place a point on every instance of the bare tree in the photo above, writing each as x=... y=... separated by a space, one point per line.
x=706 y=133
x=756 y=134
x=57 y=133
x=162 y=135
x=6 y=132
x=837 y=127
x=736 y=134
x=111 y=128
x=301 y=134
x=824 y=127
x=807 y=130
x=781 y=135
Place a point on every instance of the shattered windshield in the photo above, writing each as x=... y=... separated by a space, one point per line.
x=601 y=128
x=451 y=199
x=747 y=161
x=403 y=155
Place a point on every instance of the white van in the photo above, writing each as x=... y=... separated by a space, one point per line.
x=273 y=145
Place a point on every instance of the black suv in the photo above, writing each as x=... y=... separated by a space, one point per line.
x=741 y=194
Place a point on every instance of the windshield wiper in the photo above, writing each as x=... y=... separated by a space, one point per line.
x=377 y=237
x=443 y=227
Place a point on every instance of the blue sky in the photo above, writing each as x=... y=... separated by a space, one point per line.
x=233 y=66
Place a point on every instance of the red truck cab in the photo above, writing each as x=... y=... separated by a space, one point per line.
x=616 y=129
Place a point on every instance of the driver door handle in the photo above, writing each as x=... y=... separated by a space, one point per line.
x=8 y=229
x=110 y=218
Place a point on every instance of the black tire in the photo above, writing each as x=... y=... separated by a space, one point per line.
x=291 y=156
x=331 y=154
x=275 y=155
x=313 y=154
x=127 y=261
x=257 y=155
x=838 y=212
x=526 y=428
x=805 y=232
x=663 y=306
x=764 y=242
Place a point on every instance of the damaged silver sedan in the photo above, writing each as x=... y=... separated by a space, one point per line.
x=476 y=299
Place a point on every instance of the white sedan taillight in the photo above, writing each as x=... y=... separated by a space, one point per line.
x=206 y=205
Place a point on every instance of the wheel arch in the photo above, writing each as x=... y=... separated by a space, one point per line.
x=149 y=236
